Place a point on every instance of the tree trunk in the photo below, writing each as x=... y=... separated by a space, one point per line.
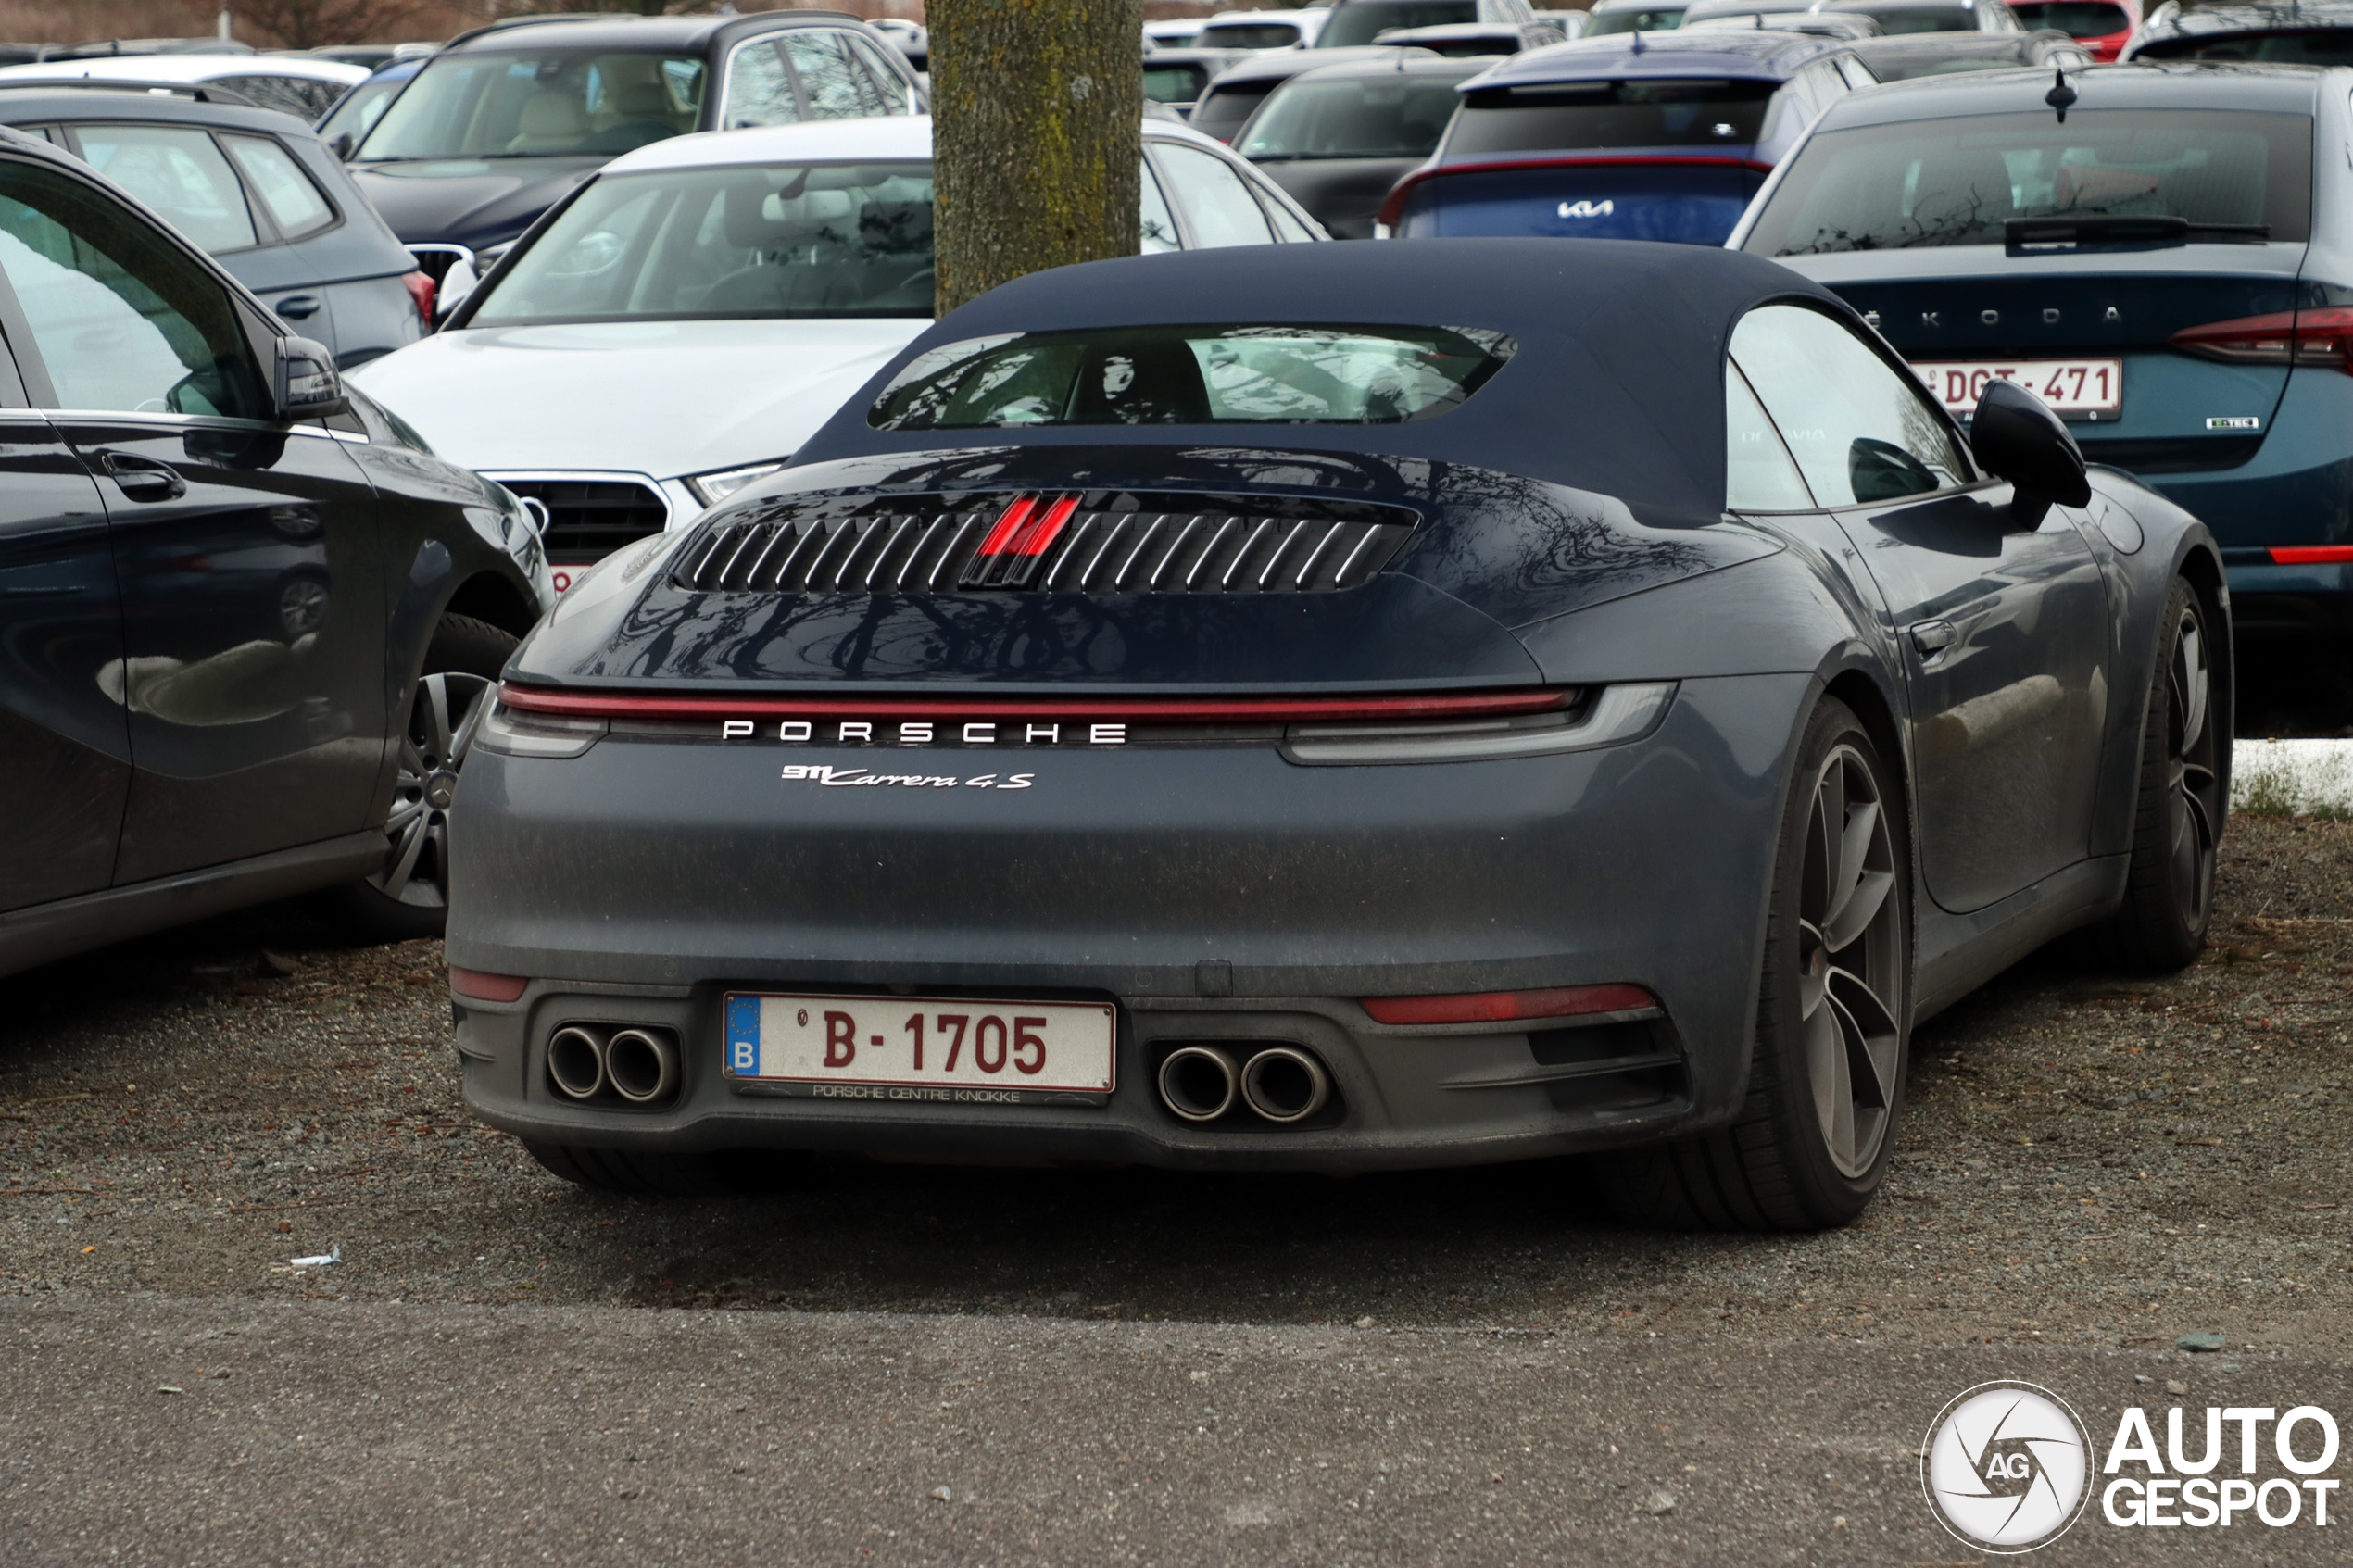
x=1037 y=106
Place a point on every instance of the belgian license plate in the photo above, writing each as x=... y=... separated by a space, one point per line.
x=2070 y=386
x=942 y=1050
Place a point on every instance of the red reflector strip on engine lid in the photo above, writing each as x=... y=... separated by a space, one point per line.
x=1017 y=541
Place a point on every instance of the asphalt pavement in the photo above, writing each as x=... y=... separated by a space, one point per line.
x=319 y=1433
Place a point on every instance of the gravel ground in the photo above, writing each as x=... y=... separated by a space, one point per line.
x=2086 y=1160
x=1126 y=1366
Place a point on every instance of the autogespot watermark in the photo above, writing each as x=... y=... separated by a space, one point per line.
x=2008 y=1467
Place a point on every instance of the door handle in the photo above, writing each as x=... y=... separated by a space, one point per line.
x=296 y=306
x=142 y=479
x=1932 y=637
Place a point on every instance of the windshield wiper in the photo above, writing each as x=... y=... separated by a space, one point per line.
x=2037 y=233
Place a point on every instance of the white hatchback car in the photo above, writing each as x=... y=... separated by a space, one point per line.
x=681 y=324
x=296 y=84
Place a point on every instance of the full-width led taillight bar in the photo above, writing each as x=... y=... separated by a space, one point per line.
x=1503 y=1007
x=2322 y=338
x=1132 y=709
x=2311 y=555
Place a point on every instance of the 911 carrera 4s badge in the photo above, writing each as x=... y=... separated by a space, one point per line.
x=847 y=778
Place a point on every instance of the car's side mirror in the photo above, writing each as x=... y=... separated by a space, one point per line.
x=456 y=284
x=341 y=147
x=305 y=383
x=2017 y=437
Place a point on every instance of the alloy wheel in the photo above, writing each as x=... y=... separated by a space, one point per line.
x=442 y=717
x=2190 y=780
x=1851 y=962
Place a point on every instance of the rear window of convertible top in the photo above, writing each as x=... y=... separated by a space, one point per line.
x=1192 y=375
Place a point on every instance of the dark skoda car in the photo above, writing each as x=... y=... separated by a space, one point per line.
x=2170 y=265
x=1585 y=697
x=256 y=188
x=504 y=120
x=1635 y=136
x=249 y=618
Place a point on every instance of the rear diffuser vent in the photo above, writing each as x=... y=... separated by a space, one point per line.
x=1048 y=543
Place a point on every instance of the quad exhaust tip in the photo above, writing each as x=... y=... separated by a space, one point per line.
x=639 y=1064
x=1199 y=1082
x=1279 y=1084
x=642 y=1066
x=576 y=1059
x=1284 y=1084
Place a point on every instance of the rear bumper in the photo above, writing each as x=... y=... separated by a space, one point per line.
x=1211 y=893
x=2298 y=489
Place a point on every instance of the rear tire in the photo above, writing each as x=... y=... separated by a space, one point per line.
x=2178 y=817
x=1825 y=1073
x=409 y=897
x=632 y=1173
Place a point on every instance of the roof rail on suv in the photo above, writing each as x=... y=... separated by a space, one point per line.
x=196 y=92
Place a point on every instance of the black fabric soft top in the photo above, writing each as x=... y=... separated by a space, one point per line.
x=1617 y=386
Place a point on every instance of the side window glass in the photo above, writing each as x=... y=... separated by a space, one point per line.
x=180 y=173
x=1759 y=475
x=1159 y=229
x=837 y=89
x=125 y=321
x=295 y=203
x=1287 y=228
x=1214 y=200
x=1861 y=431
x=1855 y=73
x=296 y=95
x=890 y=88
x=758 y=92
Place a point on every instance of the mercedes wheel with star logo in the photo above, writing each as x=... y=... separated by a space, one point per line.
x=1340 y=708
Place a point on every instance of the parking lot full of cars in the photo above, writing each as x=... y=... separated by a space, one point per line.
x=1795 y=477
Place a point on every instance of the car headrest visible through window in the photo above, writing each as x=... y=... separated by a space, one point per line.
x=551 y=116
x=641 y=100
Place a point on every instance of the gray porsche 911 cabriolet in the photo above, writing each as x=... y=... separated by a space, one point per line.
x=1402 y=705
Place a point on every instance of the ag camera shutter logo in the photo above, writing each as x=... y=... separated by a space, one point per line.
x=2006 y=1467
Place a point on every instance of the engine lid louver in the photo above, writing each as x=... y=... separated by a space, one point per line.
x=1045 y=541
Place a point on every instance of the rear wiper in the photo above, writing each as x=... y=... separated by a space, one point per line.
x=2038 y=233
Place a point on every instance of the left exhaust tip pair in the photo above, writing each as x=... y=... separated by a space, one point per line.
x=639 y=1064
x=1281 y=1084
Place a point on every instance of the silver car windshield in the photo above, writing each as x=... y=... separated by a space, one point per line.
x=569 y=103
x=834 y=239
